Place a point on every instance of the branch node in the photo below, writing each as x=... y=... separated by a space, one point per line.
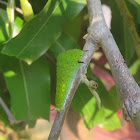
x=92 y=85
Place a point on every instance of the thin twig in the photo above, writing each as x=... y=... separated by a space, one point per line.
x=16 y=8
x=92 y=85
x=8 y=112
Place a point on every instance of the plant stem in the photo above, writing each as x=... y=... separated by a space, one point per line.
x=128 y=89
x=7 y=111
x=11 y=16
x=16 y=8
x=92 y=85
x=89 y=47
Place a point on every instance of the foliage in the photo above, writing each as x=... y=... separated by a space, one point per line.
x=28 y=61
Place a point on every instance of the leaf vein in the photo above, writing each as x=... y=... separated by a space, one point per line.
x=39 y=30
x=25 y=87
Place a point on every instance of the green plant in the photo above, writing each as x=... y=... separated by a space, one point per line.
x=28 y=61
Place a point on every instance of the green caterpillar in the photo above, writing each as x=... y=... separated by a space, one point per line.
x=68 y=64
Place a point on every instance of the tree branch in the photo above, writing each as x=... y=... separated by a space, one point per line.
x=89 y=48
x=128 y=89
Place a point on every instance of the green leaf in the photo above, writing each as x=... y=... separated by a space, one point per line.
x=4 y=33
x=113 y=98
x=5 y=97
x=135 y=71
x=74 y=27
x=86 y=105
x=37 y=5
x=138 y=1
x=3 y=28
x=39 y=33
x=27 y=10
x=134 y=68
x=63 y=43
x=4 y=94
x=112 y=121
x=109 y=99
x=29 y=87
x=121 y=34
x=18 y=23
x=134 y=7
x=11 y=16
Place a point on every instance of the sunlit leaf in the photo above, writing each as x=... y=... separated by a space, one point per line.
x=86 y=105
x=39 y=33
